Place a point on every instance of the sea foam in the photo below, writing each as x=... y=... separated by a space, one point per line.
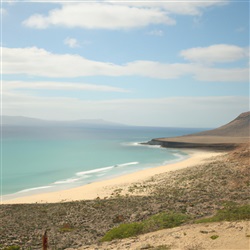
x=33 y=189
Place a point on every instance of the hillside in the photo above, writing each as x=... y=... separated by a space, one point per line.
x=225 y=137
x=239 y=127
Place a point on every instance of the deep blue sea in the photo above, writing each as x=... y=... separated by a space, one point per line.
x=44 y=159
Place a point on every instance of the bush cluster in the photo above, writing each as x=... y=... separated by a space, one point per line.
x=153 y=223
x=229 y=213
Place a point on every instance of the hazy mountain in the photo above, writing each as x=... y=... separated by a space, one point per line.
x=27 y=121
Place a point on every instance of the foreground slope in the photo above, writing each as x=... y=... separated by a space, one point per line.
x=231 y=235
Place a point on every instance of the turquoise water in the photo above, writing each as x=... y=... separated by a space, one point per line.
x=43 y=159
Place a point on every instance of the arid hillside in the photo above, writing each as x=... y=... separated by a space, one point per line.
x=226 y=137
x=239 y=127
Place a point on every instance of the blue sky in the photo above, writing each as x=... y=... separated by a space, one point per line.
x=153 y=63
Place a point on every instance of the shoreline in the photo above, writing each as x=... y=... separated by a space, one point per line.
x=105 y=188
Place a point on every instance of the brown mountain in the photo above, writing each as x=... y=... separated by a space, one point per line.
x=239 y=127
x=223 y=138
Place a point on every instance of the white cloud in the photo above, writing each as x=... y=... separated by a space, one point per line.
x=39 y=62
x=71 y=42
x=69 y=86
x=100 y=16
x=118 y=14
x=218 y=53
x=181 y=7
x=158 y=70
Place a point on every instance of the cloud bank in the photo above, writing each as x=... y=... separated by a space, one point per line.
x=39 y=62
x=219 y=53
x=68 y=86
x=117 y=15
x=99 y=16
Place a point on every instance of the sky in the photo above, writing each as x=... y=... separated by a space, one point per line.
x=150 y=63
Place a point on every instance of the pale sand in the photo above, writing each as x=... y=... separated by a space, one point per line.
x=105 y=188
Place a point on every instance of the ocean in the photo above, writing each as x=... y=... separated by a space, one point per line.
x=44 y=159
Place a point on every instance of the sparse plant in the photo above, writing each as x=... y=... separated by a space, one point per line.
x=12 y=248
x=153 y=223
x=164 y=220
x=214 y=237
x=123 y=231
x=229 y=213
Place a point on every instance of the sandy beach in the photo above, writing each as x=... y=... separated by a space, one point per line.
x=106 y=188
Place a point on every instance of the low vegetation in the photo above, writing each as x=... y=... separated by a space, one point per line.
x=160 y=247
x=123 y=231
x=163 y=220
x=12 y=248
x=231 y=212
x=214 y=237
x=153 y=223
x=160 y=221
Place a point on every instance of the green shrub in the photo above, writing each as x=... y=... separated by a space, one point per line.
x=163 y=220
x=230 y=213
x=214 y=237
x=155 y=222
x=12 y=248
x=123 y=231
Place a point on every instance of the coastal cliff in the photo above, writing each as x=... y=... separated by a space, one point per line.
x=193 y=145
